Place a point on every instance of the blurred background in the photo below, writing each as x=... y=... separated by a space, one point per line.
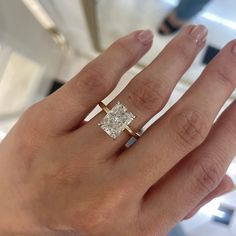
x=43 y=43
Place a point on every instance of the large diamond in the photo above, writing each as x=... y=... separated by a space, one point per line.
x=116 y=120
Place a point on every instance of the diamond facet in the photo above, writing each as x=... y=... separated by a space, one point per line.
x=116 y=120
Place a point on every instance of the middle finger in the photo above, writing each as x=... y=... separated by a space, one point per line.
x=149 y=91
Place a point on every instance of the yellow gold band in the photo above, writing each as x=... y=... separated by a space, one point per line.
x=132 y=133
x=104 y=107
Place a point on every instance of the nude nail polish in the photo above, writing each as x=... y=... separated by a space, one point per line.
x=145 y=37
x=199 y=33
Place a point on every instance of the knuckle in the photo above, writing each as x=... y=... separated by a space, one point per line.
x=147 y=96
x=184 y=50
x=190 y=128
x=35 y=119
x=225 y=76
x=208 y=175
x=94 y=78
x=28 y=122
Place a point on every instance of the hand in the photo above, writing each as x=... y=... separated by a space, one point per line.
x=61 y=176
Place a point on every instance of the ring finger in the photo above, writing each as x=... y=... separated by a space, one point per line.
x=149 y=91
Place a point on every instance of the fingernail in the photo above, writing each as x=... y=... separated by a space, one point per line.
x=199 y=33
x=234 y=49
x=145 y=37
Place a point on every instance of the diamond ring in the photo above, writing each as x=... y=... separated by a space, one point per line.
x=117 y=120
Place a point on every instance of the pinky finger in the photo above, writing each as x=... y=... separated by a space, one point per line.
x=225 y=186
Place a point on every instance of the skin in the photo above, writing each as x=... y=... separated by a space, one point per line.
x=62 y=176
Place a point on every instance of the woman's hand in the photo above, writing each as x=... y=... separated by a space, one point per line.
x=60 y=176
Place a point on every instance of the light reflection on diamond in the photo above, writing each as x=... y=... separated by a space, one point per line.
x=116 y=120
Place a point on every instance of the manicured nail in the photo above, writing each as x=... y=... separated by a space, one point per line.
x=234 y=49
x=199 y=33
x=145 y=37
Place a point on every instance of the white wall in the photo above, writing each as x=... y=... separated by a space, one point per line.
x=23 y=33
x=69 y=17
x=70 y=20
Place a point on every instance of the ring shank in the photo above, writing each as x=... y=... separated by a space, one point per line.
x=104 y=107
x=132 y=133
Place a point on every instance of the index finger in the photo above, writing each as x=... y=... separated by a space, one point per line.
x=69 y=105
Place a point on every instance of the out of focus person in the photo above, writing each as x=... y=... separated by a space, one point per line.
x=185 y=10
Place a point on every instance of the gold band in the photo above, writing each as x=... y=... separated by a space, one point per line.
x=132 y=133
x=104 y=107
x=136 y=135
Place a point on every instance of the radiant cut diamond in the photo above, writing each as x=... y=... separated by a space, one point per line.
x=116 y=120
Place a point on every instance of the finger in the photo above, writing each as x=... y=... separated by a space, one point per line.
x=149 y=91
x=225 y=186
x=195 y=176
x=68 y=106
x=185 y=125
